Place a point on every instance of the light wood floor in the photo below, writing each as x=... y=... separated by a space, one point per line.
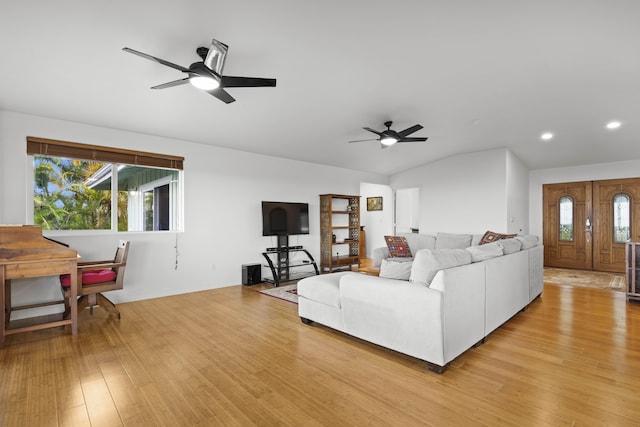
x=232 y=356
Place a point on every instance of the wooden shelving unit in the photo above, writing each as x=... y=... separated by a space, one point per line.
x=339 y=232
x=633 y=271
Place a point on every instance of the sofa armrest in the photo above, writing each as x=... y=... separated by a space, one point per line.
x=463 y=306
x=379 y=254
x=396 y=314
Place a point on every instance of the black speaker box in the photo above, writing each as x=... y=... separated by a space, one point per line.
x=251 y=274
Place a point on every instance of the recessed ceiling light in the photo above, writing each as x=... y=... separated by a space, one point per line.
x=613 y=125
x=546 y=136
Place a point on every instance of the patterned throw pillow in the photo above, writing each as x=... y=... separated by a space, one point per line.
x=490 y=237
x=398 y=247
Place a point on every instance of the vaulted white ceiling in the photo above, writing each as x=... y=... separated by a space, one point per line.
x=476 y=74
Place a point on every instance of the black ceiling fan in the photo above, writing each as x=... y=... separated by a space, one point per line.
x=207 y=74
x=390 y=137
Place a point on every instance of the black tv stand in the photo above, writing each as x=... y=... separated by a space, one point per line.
x=281 y=270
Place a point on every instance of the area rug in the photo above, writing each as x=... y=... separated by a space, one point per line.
x=287 y=293
x=590 y=279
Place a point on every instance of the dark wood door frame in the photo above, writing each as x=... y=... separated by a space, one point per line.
x=577 y=251
x=592 y=247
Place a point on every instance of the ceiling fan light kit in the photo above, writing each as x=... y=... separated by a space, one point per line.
x=390 y=137
x=388 y=140
x=207 y=74
x=204 y=83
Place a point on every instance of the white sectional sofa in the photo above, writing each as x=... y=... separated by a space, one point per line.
x=439 y=312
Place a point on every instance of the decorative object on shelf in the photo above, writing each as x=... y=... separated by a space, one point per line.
x=374 y=203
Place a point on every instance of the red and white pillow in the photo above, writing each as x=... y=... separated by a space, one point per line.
x=398 y=247
x=490 y=237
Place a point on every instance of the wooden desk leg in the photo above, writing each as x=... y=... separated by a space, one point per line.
x=73 y=300
x=3 y=319
x=7 y=299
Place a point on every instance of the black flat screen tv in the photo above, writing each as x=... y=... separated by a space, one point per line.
x=284 y=218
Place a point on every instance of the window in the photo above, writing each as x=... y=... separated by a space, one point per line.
x=566 y=218
x=62 y=200
x=621 y=210
x=72 y=192
x=155 y=204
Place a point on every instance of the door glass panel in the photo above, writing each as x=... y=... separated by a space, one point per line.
x=566 y=218
x=621 y=229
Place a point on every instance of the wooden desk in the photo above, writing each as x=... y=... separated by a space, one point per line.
x=24 y=252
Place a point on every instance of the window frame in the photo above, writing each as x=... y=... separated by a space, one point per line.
x=613 y=216
x=51 y=148
x=573 y=219
x=150 y=186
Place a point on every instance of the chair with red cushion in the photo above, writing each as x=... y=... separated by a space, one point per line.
x=95 y=277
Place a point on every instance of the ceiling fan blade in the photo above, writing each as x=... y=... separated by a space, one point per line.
x=216 y=56
x=222 y=95
x=416 y=139
x=158 y=60
x=231 y=81
x=409 y=131
x=363 y=140
x=372 y=130
x=172 y=84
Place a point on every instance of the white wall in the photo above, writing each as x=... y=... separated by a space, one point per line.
x=466 y=193
x=517 y=196
x=615 y=170
x=222 y=191
x=377 y=223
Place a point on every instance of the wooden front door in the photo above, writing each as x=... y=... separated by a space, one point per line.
x=566 y=209
x=599 y=217
x=616 y=219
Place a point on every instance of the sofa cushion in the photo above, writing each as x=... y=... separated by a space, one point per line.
x=453 y=241
x=428 y=262
x=395 y=270
x=91 y=277
x=529 y=241
x=324 y=288
x=475 y=239
x=400 y=259
x=398 y=246
x=491 y=236
x=510 y=246
x=419 y=241
x=484 y=252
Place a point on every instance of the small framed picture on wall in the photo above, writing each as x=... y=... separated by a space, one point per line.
x=374 y=203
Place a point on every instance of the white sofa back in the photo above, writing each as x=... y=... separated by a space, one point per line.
x=418 y=241
x=507 y=288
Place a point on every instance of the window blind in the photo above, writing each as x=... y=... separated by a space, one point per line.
x=74 y=150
